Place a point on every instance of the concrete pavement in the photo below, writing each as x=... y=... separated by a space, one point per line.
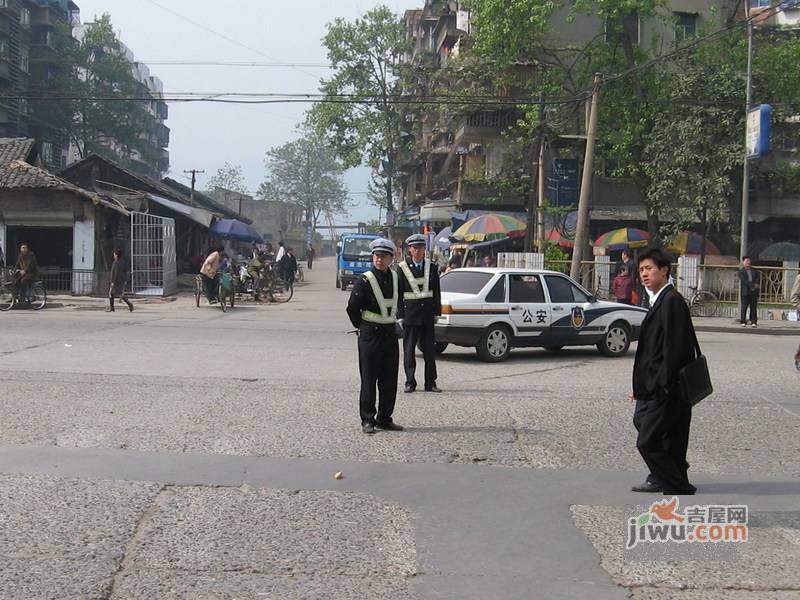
x=193 y=454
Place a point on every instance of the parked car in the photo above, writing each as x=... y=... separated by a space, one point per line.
x=496 y=309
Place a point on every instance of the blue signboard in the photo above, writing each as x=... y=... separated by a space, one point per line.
x=309 y=233
x=759 y=125
x=563 y=182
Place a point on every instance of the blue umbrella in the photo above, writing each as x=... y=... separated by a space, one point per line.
x=231 y=229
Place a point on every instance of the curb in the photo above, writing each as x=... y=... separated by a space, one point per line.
x=748 y=331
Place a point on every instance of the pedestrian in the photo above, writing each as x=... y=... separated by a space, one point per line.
x=209 y=273
x=623 y=286
x=119 y=277
x=289 y=266
x=662 y=416
x=372 y=310
x=310 y=255
x=795 y=300
x=749 y=288
x=26 y=271
x=420 y=306
x=281 y=252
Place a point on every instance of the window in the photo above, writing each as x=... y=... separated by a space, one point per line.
x=24 y=59
x=357 y=249
x=498 y=293
x=25 y=17
x=465 y=282
x=685 y=25
x=4 y=49
x=760 y=3
x=23 y=106
x=526 y=289
x=47 y=152
x=563 y=290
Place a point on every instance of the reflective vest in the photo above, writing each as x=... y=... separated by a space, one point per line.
x=420 y=286
x=388 y=308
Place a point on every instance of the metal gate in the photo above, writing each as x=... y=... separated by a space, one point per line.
x=153 y=268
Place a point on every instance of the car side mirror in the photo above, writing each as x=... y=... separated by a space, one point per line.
x=593 y=299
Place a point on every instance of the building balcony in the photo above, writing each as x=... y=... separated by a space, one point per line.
x=484 y=126
x=162 y=135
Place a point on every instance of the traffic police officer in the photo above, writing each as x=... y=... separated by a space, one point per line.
x=373 y=311
x=420 y=305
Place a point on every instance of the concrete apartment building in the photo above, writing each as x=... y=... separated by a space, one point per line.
x=26 y=58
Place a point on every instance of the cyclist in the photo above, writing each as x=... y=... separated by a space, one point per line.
x=27 y=271
x=210 y=273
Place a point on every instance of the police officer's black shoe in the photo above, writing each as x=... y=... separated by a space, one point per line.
x=410 y=387
x=433 y=388
x=647 y=487
x=390 y=426
x=368 y=428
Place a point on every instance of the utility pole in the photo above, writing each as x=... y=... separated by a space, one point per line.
x=582 y=230
x=194 y=173
x=540 y=209
x=746 y=170
x=533 y=212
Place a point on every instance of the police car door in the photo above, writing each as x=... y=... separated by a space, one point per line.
x=528 y=308
x=569 y=304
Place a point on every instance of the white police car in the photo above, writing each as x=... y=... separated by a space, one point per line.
x=495 y=310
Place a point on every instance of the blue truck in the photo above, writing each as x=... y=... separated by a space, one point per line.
x=353 y=257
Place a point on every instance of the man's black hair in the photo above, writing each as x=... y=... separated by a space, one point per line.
x=658 y=256
x=745 y=257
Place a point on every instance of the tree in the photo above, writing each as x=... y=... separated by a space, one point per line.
x=305 y=173
x=364 y=55
x=92 y=96
x=228 y=177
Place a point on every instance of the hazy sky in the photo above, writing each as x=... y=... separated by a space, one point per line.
x=205 y=136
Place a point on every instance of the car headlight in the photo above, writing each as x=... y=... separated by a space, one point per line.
x=347 y=272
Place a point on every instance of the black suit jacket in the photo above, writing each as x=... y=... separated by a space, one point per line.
x=666 y=345
x=419 y=312
x=746 y=286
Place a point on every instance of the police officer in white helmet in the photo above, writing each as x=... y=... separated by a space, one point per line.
x=372 y=309
x=420 y=306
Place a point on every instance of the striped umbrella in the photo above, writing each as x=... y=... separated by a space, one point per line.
x=689 y=242
x=554 y=235
x=491 y=227
x=620 y=239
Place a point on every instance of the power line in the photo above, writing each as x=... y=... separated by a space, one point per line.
x=221 y=35
x=217 y=63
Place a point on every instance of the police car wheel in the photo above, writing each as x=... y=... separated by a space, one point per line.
x=495 y=345
x=616 y=340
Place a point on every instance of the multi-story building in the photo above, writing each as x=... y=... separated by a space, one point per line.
x=26 y=55
x=154 y=162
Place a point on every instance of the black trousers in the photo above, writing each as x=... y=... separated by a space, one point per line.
x=424 y=335
x=663 y=441
x=378 y=361
x=750 y=302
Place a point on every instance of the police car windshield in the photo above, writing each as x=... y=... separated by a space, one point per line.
x=357 y=249
x=465 y=282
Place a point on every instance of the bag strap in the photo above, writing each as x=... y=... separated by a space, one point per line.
x=698 y=351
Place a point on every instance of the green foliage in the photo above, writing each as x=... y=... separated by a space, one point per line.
x=80 y=97
x=554 y=253
x=305 y=173
x=228 y=177
x=364 y=55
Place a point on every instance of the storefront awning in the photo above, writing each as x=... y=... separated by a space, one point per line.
x=198 y=215
x=437 y=211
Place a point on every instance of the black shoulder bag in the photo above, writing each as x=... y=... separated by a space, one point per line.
x=693 y=379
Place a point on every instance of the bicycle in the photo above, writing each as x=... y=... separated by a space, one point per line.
x=225 y=291
x=36 y=298
x=702 y=303
x=278 y=290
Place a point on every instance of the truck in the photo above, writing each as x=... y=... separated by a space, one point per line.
x=353 y=257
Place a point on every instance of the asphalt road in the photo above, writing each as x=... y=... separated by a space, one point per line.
x=178 y=452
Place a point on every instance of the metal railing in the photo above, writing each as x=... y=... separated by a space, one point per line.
x=776 y=283
x=74 y=282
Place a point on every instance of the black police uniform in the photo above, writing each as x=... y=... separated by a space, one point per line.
x=378 y=351
x=419 y=317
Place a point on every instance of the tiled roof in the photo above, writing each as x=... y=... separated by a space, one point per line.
x=15 y=149
x=18 y=174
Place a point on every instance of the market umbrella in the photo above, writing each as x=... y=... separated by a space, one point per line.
x=491 y=227
x=620 y=239
x=781 y=251
x=689 y=242
x=231 y=229
x=442 y=239
x=554 y=235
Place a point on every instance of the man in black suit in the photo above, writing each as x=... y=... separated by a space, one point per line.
x=750 y=287
x=420 y=305
x=662 y=416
